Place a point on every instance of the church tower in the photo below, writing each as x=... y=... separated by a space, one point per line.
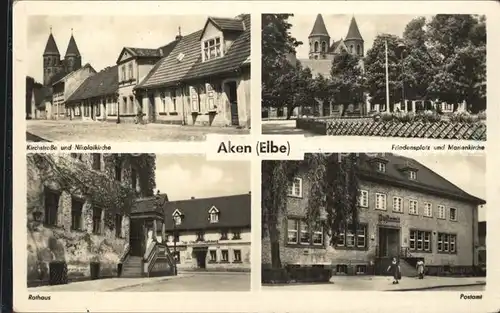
x=319 y=40
x=72 y=59
x=51 y=60
x=353 y=41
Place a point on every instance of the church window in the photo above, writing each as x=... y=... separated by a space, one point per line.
x=358 y=48
x=323 y=46
x=351 y=48
x=316 y=46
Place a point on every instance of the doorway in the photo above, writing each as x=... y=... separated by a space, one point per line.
x=232 y=96
x=201 y=257
x=137 y=238
x=388 y=242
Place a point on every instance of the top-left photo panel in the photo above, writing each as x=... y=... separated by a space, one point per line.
x=95 y=78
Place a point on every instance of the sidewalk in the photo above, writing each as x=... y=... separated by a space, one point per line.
x=383 y=283
x=109 y=284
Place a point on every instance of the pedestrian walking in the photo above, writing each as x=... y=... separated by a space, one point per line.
x=395 y=270
x=420 y=269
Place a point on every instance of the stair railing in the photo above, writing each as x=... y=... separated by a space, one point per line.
x=125 y=253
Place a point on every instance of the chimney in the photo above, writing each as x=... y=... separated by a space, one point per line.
x=250 y=192
x=179 y=36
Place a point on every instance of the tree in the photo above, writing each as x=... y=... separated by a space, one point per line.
x=460 y=42
x=346 y=79
x=321 y=88
x=375 y=80
x=332 y=198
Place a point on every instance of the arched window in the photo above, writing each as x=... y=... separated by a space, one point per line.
x=316 y=46
x=358 y=50
x=351 y=48
x=323 y=46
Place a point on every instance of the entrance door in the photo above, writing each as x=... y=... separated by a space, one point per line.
x=232 y=95
x=388 y=242
x=326 y=109
x=201 y=258
x=136 y=237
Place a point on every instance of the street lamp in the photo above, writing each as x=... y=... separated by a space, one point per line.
x=401 y=49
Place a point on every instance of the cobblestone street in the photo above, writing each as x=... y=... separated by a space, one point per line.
x=65 y=130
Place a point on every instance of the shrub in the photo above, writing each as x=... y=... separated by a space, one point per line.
x=377 y=117
x=273 y=276
x=482 y=116
x=387 y=117
x=463 y=117
x=407 y=117
x=428 y=116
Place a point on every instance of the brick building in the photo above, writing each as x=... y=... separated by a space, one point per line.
x=210 y=233
x=405 y=210
x=66 y=221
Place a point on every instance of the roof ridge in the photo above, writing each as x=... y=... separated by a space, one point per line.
x=213 y=197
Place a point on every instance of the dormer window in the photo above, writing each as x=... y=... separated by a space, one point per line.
x=177 y=217
x=212 y=49
x=213 y=215
x=412 y=175
x=381 y=167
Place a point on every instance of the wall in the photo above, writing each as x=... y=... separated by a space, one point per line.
x=59 y=243
x=75 y=79
x=104 y=108
x=463 y=228
x=187 y=241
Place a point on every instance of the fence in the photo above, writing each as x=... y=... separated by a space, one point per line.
x=368 y=127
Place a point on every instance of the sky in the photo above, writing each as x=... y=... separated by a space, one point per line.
x=337 y=25
x=465 y=171
x=100 y=39
x=191 y=175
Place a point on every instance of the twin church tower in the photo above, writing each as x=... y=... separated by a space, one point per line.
x=321 y=47
x=54 y=67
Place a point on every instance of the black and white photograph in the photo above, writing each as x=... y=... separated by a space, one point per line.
x=374 y=222
x=137 y=222
x=169 y=78
x=374 y=76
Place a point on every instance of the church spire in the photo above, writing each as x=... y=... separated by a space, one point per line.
x=319 y=28
x=51 y=46
x=353 y=32
x=72 y=47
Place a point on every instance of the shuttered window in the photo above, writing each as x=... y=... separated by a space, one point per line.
x=195 y=104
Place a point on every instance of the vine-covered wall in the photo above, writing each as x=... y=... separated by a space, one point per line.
x=59 y=242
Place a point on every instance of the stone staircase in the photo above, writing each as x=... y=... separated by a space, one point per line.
x=132 y=267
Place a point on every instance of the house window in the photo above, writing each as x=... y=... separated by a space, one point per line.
x=453 y=214
x=447 y=243
x=223 y=235
x=237 y=256
x=448 y=107
x=441 y=212
x=397 y=204
x=96 y=219
x=51 y=207
x=420 y=240
x=124 y=74
x=413 y=207
x=318 y=237
x=381 y=167
x=213 y=215
x=195 y=104
x=363 y=198
x=213 y=255
x=212 y=49
x=360 y=269
x=380 y=201
x=295 y=188
x=210 y=97
x=130 y=71
x=177 y=219
x=305 y=239
x=200 y=236
x=351 y=240
x=225 y=255
x=293 y=228
x=236 y=234
x=412 y=175
x=428 y=209
x=173 y=96
x=163 y=98
x=96 y=161
x=76 y=214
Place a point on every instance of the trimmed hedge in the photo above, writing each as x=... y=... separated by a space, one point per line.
x=296 y=274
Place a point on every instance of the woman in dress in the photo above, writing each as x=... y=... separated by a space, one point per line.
x=420 y=269
x=395 y=270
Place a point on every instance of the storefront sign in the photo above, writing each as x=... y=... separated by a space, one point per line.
x=388 y=219
x=201 y=243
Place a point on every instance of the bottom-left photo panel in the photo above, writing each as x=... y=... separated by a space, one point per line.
x=137 y=222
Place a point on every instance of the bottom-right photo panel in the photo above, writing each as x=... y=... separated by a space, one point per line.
x=374 y=222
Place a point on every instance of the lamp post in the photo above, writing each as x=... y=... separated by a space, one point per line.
x=402 y=50
x=175 y=249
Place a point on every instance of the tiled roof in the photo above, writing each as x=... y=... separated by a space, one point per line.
x=227 y=23
x=100 y=84
x=167 y=49
x=353 y=32
x=144 y=52
x=318 y=66
x=57 y=77
x=427 y=180
x=335 y=45
x=184 y=62
x=319 y=28
x=72 y=48
x=234 y=211
x=71 y=73
x=51 y=46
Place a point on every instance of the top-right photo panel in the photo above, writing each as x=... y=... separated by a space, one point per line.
x=374 y=76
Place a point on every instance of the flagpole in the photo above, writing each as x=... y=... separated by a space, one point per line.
x=387 y=108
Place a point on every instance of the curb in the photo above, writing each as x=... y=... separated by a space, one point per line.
x=439 y=287
x=147 y=283
x=214 y=273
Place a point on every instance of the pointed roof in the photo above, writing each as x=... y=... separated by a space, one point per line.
x=319 y=28
x=51 y=46
x=72 y=48
x=353 y=32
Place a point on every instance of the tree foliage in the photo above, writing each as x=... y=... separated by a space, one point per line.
x=346 y=77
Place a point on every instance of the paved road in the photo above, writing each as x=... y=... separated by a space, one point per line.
x=65 y=130
x=286 y=127
x=199 y=282
x=461 y=288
